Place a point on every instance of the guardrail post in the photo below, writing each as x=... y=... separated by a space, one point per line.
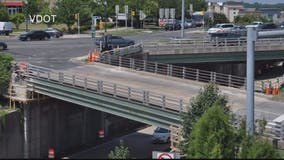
x=163 y=101
x=60 y=77
x=48 y=75
x=239 y=42
x=225 y=42
x=180 y=105
x=119 y=61
x=197 y=74
x=211 y=76
x=171 y=70
x=129 y=93
x=168 y=69
x=99 y=87
x=156 y=67
x=214 y=77
x=144 y=65
x=230 y=80
x=85 y=83
x=183 y=72
x=114 y=90
x=109 y=59
x=73 y=80
x=37 y=73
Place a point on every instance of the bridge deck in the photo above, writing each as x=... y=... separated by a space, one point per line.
x=171 y=86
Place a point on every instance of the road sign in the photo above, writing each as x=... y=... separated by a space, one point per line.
x=161 y=13
x=116 y=9
x=121 y=16
x=167 y=13
x=172 y=13
x=142 y=15
x=165 y=155
x=126 y=9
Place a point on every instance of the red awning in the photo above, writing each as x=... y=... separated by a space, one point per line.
x=13 y=3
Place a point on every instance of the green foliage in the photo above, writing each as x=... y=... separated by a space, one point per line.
x=257 y=148
x=213 y=135
x=247 y=19
x=220 y=18
x=206 y=98
x=33 y=7
x=4 y=16
x=5 y=72
x=120 y=152
x=17 y=19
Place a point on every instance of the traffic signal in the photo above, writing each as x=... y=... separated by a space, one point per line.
x=132 y=13
x=76 y=16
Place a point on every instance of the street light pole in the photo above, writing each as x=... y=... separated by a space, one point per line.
x=27 y=16
x=251 y=38
x=105 y=4
x=182 y=18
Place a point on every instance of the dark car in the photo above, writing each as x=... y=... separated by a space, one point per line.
x=3 y=45
x=54 y=32
x=173 y=26
x=227 y=39
x=109 y=42
x=268 y=26
x=34 y=35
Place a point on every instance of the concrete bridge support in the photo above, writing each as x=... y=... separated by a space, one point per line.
x=51 y=123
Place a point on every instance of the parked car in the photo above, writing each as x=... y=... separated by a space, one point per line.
x=34 y=35
x=175 y=25
x=281 y=25
x=190 y=23
x=53 y=32
x=161 y=135
x=6 y=28
x=225 y=27
x=109 y=42
x=227 y=38
x=268 y=26
x=242 y=30
x=256 y=24
x=3 y=45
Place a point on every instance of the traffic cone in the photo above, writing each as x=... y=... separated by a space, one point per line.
x=267 y=90
x=277 y=89
x=89 y=56
x=95 y=56
x=274 y=91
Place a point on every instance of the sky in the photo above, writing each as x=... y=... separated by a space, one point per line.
x=251 y=1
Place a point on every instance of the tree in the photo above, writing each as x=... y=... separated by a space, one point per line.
x=17 y=19
x=4 y=16
x=248 y=18
x=219 y=18
x=213 y=135
x=206 y=98
x=66 y=10
x=120 y=152
x=5 y=71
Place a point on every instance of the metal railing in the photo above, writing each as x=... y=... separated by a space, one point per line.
x=211 y=45
x=174 y=71
x=91 y=84
x=124 y=50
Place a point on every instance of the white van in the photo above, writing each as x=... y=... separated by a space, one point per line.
x=6 y=28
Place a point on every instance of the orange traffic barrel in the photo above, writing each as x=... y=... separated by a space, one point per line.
x=95 y=56
x=101 y=133
x=267 y=90
x=50 y=153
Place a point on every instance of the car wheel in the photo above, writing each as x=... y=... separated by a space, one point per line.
x=29 y=38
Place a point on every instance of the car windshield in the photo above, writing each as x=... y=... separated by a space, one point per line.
x=161 y=130
x=227 y=26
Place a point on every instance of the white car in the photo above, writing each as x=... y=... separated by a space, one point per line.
x=220 y=28
x=161 y=135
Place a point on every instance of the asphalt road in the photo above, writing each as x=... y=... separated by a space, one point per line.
x=56 y=53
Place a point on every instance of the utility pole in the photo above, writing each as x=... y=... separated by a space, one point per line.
x=78 y=24
x=251 y=38
x=182 y=18
x=105 y=4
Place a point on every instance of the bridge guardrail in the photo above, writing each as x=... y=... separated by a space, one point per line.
x=124 y=50
x=151 y=99
x=174 y=71
x=212 y=45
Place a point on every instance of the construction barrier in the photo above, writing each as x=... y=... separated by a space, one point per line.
x=95 y=56
x=267 y=90
x=101 y=133
x=50 y=153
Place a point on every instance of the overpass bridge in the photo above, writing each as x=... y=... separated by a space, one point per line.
x=203 y=50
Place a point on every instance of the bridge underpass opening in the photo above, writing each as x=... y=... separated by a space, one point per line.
x=68 y=127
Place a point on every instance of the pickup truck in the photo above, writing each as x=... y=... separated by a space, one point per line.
x=109 y=42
